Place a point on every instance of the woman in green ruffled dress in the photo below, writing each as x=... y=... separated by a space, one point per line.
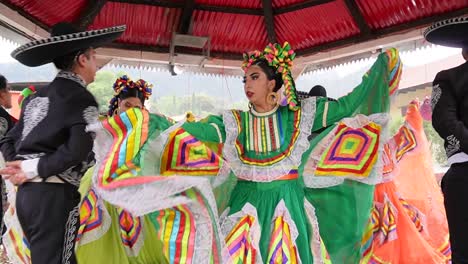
x=285 y=199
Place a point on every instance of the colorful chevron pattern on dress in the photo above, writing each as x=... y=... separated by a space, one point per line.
x=352 y=152
x=176 y=228
x=366 y=243
x=369 y=234
x=388 y=225
x=395 y=69
x=405 y=140
x=446 y=250
x=388 y=161
x=282 y=249
x=130 y=228
x=251 y=136
x=90 y=214
x=239 y=242
x=187 y=155
x=375 y=219
x=129 y=131
x=375 y=260
x=413 y=213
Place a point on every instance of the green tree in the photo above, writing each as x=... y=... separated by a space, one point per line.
x=436 y=144
x=395 y=124
x=200 y=105
x=101 y=88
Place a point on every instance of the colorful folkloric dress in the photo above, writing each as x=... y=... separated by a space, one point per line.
x=408 y=221
x=287 y=200
x=136 y=214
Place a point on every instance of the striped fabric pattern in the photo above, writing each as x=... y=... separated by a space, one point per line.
x=387 y=158
x=388 y=225
x=257 y=139
x=90 y=214
x=375 y=260
x=177 y=231
x=130 y=228
x=395 y=68
x=186 y=155
x=369 y=234
x=129 y=131
x=414 y=214
x=406 y=142
x=446 y=250
x=239 y=242
x=354 y=151
x=263 y=134
x=21 y=246
x=282 y=249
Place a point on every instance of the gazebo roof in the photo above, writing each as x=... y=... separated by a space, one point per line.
x=236 y=26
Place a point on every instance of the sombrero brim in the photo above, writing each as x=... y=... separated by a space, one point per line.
x=304 y=95
x=451 y=33
x=43 y=51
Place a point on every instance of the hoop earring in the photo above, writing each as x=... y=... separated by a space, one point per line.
x=272 y=98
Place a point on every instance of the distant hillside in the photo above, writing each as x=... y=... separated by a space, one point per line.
x=16 y=72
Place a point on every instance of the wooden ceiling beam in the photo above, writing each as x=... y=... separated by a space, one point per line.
x=358 y=17
x=299 y=6
x=230 y=10
x=210 y=8
x=160 y=3
x=227 y=9
x=269 y=20
x=186 y=18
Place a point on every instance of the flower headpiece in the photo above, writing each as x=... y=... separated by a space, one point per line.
x=124 y=84
x=281 y=58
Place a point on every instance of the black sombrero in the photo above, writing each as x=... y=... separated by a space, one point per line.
x=64 y=40
x=304 y=95
x=450 y=32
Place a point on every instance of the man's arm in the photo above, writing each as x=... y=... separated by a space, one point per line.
x=7 y=143
x=76 y=148
x=444 y=116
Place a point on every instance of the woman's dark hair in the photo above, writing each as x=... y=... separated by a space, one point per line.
x=270 y=73
x=3 y=83
x=128 y=93
x=125 y=88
